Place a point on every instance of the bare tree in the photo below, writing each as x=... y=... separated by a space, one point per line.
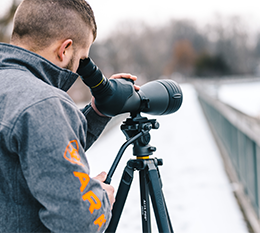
x=183 y=58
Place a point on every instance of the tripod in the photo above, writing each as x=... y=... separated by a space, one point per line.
x=136 y=130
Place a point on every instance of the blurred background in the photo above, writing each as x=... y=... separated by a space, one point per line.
x=211 y=49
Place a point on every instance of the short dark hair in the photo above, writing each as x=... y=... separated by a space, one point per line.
x=39 y=22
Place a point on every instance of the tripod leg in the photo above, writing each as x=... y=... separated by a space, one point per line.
x=168 y=216
x=158 y=201
x=145 y=204
x=123 y=189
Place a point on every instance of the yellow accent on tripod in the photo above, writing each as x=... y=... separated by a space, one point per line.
x=145 y=157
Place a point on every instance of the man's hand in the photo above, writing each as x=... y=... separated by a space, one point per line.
x=108 y=188
x=127 y=76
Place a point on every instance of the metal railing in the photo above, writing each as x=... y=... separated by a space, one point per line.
x=238 y=135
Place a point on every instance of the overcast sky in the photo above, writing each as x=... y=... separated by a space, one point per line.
x=109 y=12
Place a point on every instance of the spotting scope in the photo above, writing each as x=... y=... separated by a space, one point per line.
x=116 y=96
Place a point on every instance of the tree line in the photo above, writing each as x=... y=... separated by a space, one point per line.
x=180 y=48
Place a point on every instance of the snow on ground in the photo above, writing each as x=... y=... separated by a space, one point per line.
x=198 y=194
x=242 y=96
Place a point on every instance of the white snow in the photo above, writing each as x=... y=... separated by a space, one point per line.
x=198 y=194
x=243 y=96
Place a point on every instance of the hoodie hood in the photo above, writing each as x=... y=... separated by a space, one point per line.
x=14 y=57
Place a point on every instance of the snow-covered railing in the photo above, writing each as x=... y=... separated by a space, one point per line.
x=238 y=137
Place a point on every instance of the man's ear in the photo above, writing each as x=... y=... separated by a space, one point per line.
x=64 y=48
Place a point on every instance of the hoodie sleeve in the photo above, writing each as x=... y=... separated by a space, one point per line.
x=96 y=124
x=50 y=138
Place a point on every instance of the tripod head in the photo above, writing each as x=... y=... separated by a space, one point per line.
x=136 y=130
x=135 y=125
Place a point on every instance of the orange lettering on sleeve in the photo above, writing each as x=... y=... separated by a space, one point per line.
x=72 y=153
x=83 y=178
x=100 y=221
x=94 y=201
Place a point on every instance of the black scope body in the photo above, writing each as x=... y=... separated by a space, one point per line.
x=116 y=96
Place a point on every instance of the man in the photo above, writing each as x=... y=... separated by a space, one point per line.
x=45 y=184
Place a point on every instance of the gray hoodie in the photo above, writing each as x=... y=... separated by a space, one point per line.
x=44 y=173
